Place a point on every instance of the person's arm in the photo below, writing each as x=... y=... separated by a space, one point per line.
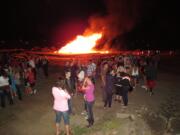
x=67 y=95
x=84 y=86
x=103 y=79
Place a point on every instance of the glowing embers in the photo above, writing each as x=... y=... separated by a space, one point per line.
x=81 y=45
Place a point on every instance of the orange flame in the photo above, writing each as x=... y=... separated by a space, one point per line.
x=81 y=45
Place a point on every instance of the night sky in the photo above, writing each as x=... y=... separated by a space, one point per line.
x=151 y=23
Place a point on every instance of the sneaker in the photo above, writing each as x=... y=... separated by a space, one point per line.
x=89 y=125
x=144 y=87
x=124 y=107
x=84 y=113
x=35 y=91
x=86 y=117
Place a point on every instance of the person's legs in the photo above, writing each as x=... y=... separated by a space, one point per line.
x=66 y=122
x=33 y=88
x=19 y=92
x=135 y=81
x=125 y=96
x=58 y=120
x=151 y=91
x=119 y=99
x=110 y=99
x=120 y=94
x=8 y=94
x=116 y=94
x=67 y=129
x=90 y=113
x=58 y=131
x=104 y=95
x=2 y=96
x=106 y=100
x=73 y=83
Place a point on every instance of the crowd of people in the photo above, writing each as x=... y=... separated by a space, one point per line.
x=18 y=76
x=119 y=75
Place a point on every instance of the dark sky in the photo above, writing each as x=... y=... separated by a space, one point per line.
x=31 y=19
x=40 y=19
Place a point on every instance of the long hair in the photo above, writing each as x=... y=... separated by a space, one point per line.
x=61 y=83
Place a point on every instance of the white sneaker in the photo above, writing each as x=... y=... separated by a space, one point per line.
x=84 y=113
x=124 y=107
x=144 y=87
x=35 y=91
x=86 y=117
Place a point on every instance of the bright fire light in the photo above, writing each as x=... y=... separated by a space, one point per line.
x=81 y=45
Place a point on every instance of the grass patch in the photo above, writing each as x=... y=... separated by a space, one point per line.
x=79 y=130
x=110 y=125
x=105 y=127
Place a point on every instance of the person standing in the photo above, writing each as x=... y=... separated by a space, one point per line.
x=5 y=89
x=109 y=87
x=125 y=82
x=17 y=79
x=104 y=69
x=60 y=106
x=88 y=88
x=32 y=64
x=45 y=65
x=135 y=75
x=29 y=75
x=91 y=71
x=151 y=75
x=118 y=87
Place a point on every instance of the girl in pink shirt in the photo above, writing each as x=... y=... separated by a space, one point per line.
x=88 y=89
x=60 y=106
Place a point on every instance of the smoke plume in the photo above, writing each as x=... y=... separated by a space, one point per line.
x=120 y=17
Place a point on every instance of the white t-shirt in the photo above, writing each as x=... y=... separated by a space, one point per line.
x=81 y=75
x=32 y=63
x=4 y=81
x=135 y=72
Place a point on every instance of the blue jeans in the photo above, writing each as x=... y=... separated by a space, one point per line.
x=89 y=106
x=65 y=116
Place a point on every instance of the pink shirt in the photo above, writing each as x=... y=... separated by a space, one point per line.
x=89 y=93
x=60 y=99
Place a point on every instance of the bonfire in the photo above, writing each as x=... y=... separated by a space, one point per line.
x=82 y=45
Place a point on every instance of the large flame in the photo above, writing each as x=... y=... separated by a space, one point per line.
x=81 y=45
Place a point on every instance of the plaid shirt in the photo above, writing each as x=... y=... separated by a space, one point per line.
x=91 y=68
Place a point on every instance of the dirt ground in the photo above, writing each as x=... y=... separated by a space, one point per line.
x=34 y=115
